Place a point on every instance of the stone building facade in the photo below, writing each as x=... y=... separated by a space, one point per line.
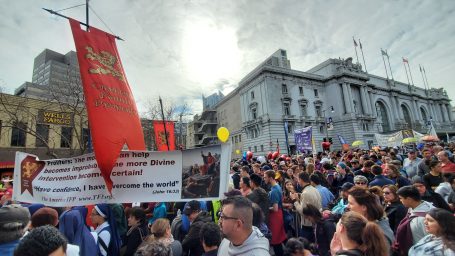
x=359 y=104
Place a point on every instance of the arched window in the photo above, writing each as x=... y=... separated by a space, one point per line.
x=382 y=116
x=424 y=114
x=406 y=115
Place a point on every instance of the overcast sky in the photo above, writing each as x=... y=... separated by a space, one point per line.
x=182 y=49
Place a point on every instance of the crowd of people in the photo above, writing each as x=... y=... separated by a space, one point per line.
x=355 y=202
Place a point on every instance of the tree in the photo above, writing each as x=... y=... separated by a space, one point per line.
x=172 y=112
x=58 y=113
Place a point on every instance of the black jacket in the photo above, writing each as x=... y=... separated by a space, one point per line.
x=134 y=238
x=395 y=213
x=325 y=230
x=192 y=243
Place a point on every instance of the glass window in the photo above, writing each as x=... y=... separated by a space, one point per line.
x=42 y=135
x=252 y=95
x=301 y=90
x=316 y=93
x=284 y=88
x=18 y=134
x=262 y=148
x=85 y=136
x=253 y=113
x=66 y=137
x=255 y=149
x=303 y=109
x=286 y=108
x=318 y=111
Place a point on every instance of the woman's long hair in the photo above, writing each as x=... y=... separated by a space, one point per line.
x=446 y=222
x=364 y=197
x=366 y=234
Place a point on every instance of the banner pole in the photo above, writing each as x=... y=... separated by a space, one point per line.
x=164 y=123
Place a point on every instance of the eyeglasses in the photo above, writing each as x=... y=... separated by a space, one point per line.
x=224 y=217
x=360 y=183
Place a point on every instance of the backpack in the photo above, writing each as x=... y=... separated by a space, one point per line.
x=176 y=228
x=403 y=238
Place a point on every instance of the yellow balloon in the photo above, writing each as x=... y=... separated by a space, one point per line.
x=223 y=134
x=237 y=151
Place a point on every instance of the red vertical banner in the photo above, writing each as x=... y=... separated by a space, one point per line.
x=160 y=135
x=112 y=112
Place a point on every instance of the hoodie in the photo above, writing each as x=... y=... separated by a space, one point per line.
x=256 y=244
x=417 y=225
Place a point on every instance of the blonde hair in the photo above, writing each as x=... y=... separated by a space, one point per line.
x=159 y=228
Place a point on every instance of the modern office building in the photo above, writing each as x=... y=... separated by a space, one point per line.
x=55 y=77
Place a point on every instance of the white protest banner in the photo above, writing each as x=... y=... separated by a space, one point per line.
x=138 y=176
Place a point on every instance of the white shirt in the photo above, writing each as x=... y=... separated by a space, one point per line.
x=104 y=235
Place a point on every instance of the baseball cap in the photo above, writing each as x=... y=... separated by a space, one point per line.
x=192 y=206
x=416 y=179
x=14 y=214
x=265 y=168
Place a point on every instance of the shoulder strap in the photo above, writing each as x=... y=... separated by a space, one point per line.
x=103 y=244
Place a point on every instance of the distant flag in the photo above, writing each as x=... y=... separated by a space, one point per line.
x=405 y=69
x=384 y=53
x=363 y=57
x=355 y=48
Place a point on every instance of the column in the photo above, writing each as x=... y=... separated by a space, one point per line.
x=395 y=108
x=372 y=104
x=449 y=111
x=444 y=112
x=432 y=113
x=350 y=97
x=365 y=109
x=347 y=100
x=416 y=110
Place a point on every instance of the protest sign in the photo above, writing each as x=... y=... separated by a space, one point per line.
x=138 y=176
x=303 y=139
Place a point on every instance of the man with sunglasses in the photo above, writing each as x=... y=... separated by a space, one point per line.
x=241 y=237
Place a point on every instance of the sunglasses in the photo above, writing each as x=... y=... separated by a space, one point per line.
x=360 y=183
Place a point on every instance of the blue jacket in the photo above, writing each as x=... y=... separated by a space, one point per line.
x=159 y=211
x=380 y=180
x=8 y=248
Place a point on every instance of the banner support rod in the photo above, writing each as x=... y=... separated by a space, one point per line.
x=80 y=22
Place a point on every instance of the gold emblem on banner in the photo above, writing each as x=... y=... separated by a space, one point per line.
x=29 y=169
x=162 y=137
x=107 y=61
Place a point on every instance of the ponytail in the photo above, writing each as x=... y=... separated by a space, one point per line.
x=373 y=240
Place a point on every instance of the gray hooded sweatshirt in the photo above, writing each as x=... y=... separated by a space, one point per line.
x=417 y=226
x=255 y=245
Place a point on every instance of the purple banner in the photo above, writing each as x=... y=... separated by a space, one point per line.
x=303 y=139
